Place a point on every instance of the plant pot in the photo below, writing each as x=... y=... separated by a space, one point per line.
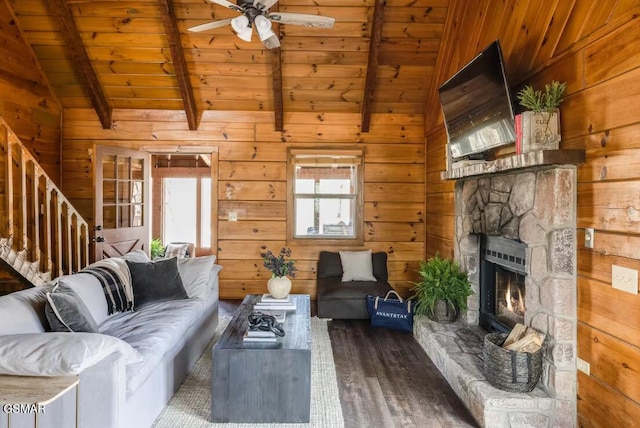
x=279 y=286
x=443 y=312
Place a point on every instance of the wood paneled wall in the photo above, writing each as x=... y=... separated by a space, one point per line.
x=252 y=181
x=594 y=47
x=26 y=103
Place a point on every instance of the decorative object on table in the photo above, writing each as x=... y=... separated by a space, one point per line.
x=279 y=285
x=261 y=322
x=442 y=291
x=396 y=314
x=539 y=127
x=514 y=362
x=268 y=303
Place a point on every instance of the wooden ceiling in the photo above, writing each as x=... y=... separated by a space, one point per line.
x=139 y=55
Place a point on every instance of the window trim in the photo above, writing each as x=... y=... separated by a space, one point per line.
x=358 y=225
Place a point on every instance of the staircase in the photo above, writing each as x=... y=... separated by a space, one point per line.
x=42 y=236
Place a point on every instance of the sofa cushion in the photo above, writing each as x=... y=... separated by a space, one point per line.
x=90 y=291
x=379 y=261
x=66 y=312
x=198 y=275
x=156 y=281
x=59 y=354
x=329 y=289
x=177 y=249
x=153 y=330
x=115 y=279
x=25 y=309
x=137 y=256
x=357 y=266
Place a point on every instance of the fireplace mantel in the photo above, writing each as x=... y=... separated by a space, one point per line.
x=521 y=161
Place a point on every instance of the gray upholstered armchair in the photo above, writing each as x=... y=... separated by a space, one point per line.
x=346 y=300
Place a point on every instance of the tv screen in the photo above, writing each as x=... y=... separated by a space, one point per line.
x=476 y=104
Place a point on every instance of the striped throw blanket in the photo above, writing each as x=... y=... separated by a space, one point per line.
x=115 y=278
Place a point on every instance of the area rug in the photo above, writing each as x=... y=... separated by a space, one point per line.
x=190 y=407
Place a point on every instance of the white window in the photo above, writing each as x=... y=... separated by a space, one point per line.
x=325 y=188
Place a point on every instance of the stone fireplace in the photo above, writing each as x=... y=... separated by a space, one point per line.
x=531 y=211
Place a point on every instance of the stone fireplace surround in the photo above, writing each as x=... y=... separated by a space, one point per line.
x=536 y=205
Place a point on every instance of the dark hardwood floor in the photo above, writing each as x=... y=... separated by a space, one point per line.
x=386 y=379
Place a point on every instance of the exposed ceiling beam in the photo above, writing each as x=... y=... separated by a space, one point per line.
x=179 y=63
x=276 y=75
x=80 y=60
x=372 y=64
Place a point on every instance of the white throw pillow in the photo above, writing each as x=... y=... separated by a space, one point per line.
x=137 y=256
x=59 y=354
x=23 y=311
x=357 y=266
x=90 y=291
x=198 y=275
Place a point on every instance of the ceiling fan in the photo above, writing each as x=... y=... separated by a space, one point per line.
x=256 y=13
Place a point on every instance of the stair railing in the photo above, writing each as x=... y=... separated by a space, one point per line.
x=42 y=236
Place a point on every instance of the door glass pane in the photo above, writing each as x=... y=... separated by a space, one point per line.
x=109 y=217
x=137 y=219
x=179 y=210
x=108 y=192
x=124 y=219
x=108 y=167
x=205 y=215
x=124 y=193
x=123 y=168
x=136 y=196
x=137 y=169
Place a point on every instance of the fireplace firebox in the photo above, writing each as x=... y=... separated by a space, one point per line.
x=502 y=283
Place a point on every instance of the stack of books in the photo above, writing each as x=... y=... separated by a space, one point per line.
x=259 y=336
x=269 y=303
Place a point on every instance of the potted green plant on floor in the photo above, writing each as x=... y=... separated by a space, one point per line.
x=442 y=291
x=157 y=249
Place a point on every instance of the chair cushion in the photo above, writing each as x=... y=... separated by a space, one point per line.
x=357 y=266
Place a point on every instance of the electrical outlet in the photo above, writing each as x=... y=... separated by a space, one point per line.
x=589 y=237
x=583 y=366
x=232 y=216
x=624 y=279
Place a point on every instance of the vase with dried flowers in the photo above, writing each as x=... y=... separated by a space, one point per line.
x=281 y=267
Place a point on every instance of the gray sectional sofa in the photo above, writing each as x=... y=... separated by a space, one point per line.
x=131 y=367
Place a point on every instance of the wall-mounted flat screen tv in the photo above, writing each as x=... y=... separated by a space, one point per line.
x=476 y=104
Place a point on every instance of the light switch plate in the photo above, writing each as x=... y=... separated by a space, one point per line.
x=583 y=366
x=624 y=279
x=232 y=216
x=589 y=237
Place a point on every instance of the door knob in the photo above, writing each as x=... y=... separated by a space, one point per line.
x=98 y=239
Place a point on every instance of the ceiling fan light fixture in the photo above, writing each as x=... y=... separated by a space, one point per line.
x=241 y=26
x=263 y=27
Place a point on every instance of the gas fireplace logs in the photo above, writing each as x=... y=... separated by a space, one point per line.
x=524 y=339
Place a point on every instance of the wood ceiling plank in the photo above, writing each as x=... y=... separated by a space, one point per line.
x=121 y=67
x=179 y=63
x=372 y=64
x=336 y=58
x=81 y=61
x=425 y=15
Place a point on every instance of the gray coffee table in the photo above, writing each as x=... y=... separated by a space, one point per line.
x=263 y=382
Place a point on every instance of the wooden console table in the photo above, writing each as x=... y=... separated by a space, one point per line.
x=38 y=401
x=267 y=383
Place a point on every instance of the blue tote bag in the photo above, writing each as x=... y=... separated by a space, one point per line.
x=391 y=313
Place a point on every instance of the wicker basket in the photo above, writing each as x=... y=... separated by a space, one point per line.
x=443 y=312
x=510 y=370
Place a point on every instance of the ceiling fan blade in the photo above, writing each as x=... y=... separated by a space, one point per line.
x=271 y=42
x=227 y=4
x=266 y=4
x=316 y=21
x=210 y=25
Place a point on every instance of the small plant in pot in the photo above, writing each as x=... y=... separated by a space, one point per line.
x=544 y=105
x=442 y=291
x=281 y=266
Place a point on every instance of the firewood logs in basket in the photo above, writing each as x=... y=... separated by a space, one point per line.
x=524 y=339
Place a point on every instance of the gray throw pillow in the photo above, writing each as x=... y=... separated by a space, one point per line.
x=157 y=281
x=66 y=312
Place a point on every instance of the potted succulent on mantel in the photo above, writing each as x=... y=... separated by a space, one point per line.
x=443 y=290
x=279 y=285
x=540 y=124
